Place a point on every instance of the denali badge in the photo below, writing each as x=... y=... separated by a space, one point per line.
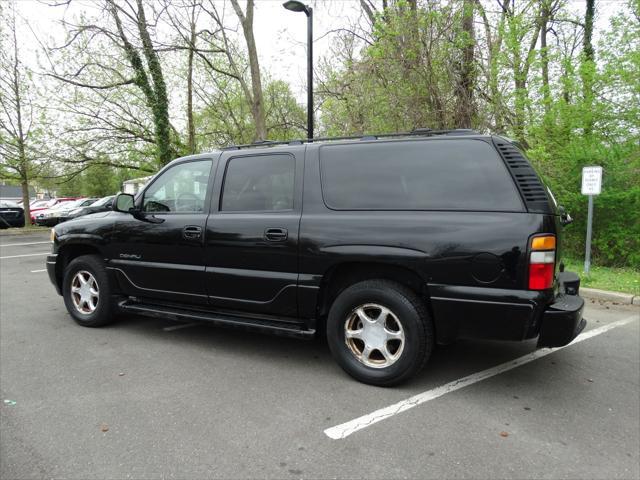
x=130 y=255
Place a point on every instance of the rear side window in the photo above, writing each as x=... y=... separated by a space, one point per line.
x=417 y=175
x=259 y=183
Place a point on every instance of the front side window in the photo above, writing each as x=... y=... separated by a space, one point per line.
x=182 y=188
x=259 y=183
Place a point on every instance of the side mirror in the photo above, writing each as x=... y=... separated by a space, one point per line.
x=565 y=218
x=123 y=203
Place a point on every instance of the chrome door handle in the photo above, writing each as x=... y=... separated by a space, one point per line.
x=276 y=234
x=191 y=232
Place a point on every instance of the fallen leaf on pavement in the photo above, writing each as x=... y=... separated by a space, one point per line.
x=504 y=434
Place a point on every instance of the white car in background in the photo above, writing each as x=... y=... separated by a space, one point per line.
x=51 y=216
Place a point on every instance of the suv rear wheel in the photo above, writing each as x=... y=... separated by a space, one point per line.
x=86 y=291
x=379 y=332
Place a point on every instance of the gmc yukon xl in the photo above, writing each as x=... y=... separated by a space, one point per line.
x=387 y=244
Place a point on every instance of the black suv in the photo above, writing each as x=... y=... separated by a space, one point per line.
x=389 y=244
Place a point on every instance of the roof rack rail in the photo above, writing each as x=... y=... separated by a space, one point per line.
x=259 y=143
x=418 y=132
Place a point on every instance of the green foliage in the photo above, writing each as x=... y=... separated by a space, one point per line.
x=228 y=120
x=406 y=78
x=560 y=150
x=616 y=228
x=606 y=278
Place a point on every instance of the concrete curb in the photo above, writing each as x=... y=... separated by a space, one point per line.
x=604 y=295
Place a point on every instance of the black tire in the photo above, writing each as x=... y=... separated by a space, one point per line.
x=104 y=312
x=407 y=309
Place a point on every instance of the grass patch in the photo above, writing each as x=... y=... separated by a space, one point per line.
x=24 y=230
x=615 y=279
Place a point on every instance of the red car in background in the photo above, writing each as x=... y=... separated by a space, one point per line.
x=45 y=204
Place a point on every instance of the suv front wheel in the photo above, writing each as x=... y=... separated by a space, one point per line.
x=86 y=291
x=379 y=332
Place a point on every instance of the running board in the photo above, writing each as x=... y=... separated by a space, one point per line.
x=161 y=311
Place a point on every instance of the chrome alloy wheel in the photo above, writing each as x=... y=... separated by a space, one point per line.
x=374 y=335
x=84 y=292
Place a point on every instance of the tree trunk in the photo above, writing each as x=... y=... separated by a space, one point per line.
x=465 y=111
x=191 y=143
x=20 y=133
x=25 y=202
x=520 y=105
x=494 y=46
x=521 y=65
x=588 y=67
x=257 y=102
x=544 y=60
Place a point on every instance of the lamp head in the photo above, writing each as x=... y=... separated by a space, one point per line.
x=295 y=6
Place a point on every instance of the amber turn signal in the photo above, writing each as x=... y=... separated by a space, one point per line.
x=543 y=243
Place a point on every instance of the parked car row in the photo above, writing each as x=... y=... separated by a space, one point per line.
x=40 y=205
x=52 y=211
x=53 y=215
x=72 y=209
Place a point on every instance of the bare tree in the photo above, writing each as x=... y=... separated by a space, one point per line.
x=587 y=69
x=465 y=108
x=255 y=98
x=191 y=127
x=16 y=109
x=523 y=31
x=219 y=41
x=183 y=18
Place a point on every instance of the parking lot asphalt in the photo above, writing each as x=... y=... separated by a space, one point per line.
x=142 y=399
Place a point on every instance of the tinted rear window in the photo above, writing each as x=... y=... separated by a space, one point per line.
x=417 y=175
x=259 y=183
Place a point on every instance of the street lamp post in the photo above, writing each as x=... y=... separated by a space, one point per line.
x=296 y=6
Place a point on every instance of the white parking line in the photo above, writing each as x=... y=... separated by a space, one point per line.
x=178 y=327
x=23 y=244
x=25 y=255
x=39 y=271
x=345 y=429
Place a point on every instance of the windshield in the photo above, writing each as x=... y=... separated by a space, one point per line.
x=65 y=205
x=72 y=204
x=101 y=201
x=39 y=204
x=7 y=204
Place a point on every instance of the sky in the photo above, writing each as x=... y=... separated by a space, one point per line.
x=281 y=35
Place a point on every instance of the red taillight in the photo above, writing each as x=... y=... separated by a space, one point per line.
x=542 y=262
x=540 y=276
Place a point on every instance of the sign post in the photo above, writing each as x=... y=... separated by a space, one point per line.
x=591 y=185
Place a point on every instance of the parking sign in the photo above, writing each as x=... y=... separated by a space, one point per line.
x=591 y=180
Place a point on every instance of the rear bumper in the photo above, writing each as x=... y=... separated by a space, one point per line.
x=47 y=222
x=51 y=271
x=562 y=321
x=513 y=315
x=7 y=222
